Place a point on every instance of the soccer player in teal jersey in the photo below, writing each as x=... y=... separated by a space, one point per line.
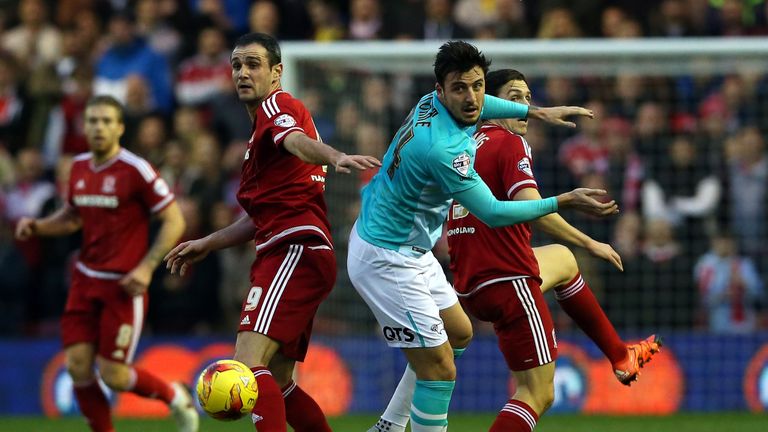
x=429 y=163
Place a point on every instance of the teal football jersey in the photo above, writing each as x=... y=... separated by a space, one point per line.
x=430 y=159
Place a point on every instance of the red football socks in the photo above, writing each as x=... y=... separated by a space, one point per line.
x=302 y=412
x=94 y=406
x=147 y=385
x=516 y=416
x=580 y=304
x=269 y=412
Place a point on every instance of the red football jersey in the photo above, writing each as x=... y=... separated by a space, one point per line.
x=115 y=201
x=481 y=255
x=282 y=194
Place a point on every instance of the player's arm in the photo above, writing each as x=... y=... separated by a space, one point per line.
x=171 y=228
x=315 y=152
x=182 y=256
x=479 y=200
x=62 y=222
x=557 y=227
x=498 y=108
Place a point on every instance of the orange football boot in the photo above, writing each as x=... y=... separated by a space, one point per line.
x=638 y=355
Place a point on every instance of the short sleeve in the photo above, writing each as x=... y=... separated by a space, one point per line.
x=516 y=166
x=154 y=192
x=284 y=115
x=453 y=170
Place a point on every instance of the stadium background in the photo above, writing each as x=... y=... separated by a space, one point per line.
x=681 y=92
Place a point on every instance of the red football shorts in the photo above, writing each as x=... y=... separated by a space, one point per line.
x=98 y=311
x=288 y=283
x=521 y=319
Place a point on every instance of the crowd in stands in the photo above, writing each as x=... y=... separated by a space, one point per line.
x=684 y=156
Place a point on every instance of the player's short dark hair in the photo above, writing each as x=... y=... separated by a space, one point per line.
x=458 y=56
x=268 y=42
x=108 y=101
x=495 y=80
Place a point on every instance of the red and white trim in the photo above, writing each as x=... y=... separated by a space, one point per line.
x=289 y=390
x=519 y=185
x=282 y=134
x=534 y=320
x=138 y=321
x=270 y=105
x=490 y=282
x=290 y=231
x=520 y=412
x=96 y=274
x=162 y=204
x=569 y=291
x=141 y=165
x=276 y=288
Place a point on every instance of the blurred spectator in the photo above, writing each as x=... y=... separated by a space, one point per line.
x=439 y=23
x=229 y=15
x=128 y=56
x=264 y=17
x=64 y=134
x=235 y=283
x=672 y=20
x=150 y=139
x=189 y=303
x=159 y=35
x=729 y=286
x=731 y=18
x=611 y=21
x=13 y=105
x=31 y=190
x=625 y=170
x=651 y=131
x=585 y=152
x=628 y=92
x=371 y=140
x=682 y=189
x=746 y=195
x=207 y=74
x=7 y=175
x=34 y=42
x=659 y=294
x=558 y=23
x=326 y=21
x=365 y=20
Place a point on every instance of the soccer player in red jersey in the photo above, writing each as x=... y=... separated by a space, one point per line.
x=505 y=286
x=281 y=190
x=112 y=195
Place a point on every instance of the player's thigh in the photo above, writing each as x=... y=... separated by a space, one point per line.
x=433 y=363
x=457 y=326
x=557 y=265
x=255 y=349
x=288 y=284
x=397 y=290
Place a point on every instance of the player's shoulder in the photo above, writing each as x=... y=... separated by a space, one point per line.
x=138 y=164
x=279 y=102
x=494 y=136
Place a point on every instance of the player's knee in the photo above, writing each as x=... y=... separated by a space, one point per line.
x=545 y=396
x=443 y=369
x=80 y=369
x=567 y=261
x=115 y=376
x=462 y=336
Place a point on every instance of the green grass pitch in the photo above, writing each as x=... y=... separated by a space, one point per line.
x=722 y=422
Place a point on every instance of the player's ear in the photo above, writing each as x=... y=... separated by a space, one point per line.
x=277 y=71
x=439 y=89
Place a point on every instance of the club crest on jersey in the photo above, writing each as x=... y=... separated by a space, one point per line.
x=109 y=185
x=461 y=164
x=285 y=121
x=525 y=166
x=80 y=184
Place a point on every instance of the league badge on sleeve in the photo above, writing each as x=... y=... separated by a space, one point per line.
x=525 y=166
x=285 y=121
x=461 y=164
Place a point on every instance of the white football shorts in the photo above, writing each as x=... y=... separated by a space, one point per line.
x=406 y=294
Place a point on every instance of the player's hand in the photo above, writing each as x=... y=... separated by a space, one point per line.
x=557 y=115
x=25 y=228
x=606 y=252
x=585 y=201
x=346 y=163
x=137 y=281
x=184 y=255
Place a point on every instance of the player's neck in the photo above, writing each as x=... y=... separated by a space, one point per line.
x=100 y=158
x=253 y=106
